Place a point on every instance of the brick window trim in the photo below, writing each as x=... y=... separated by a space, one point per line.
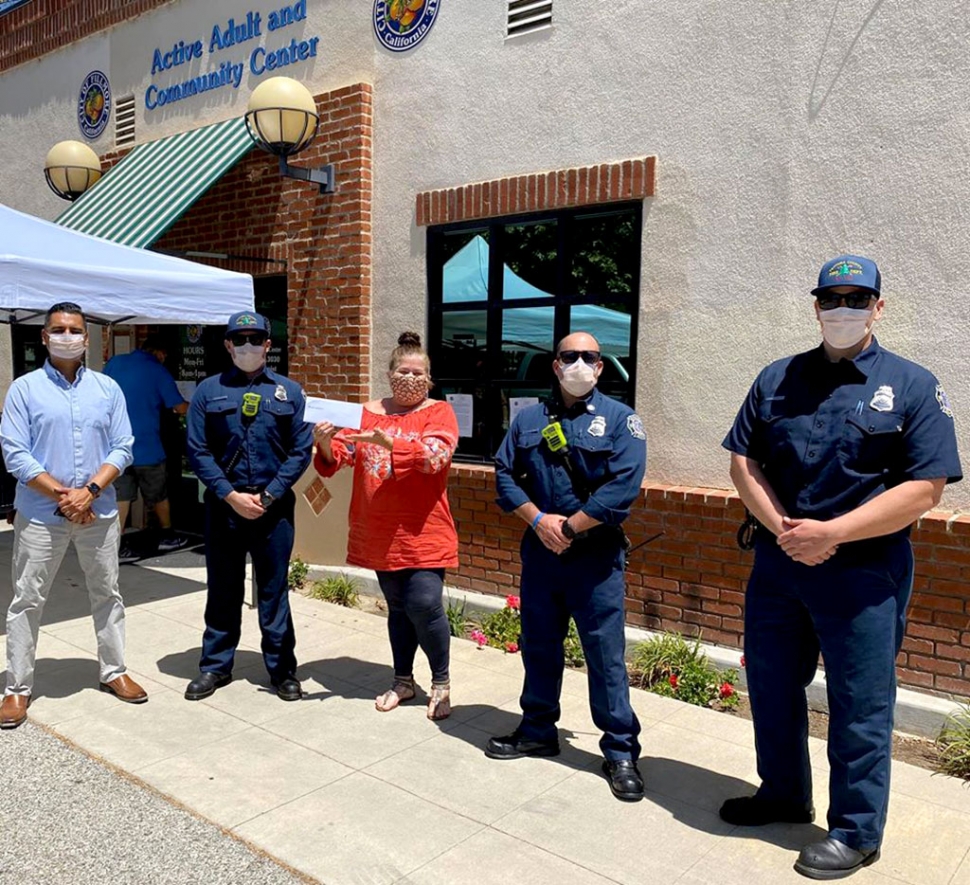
x=633 y=179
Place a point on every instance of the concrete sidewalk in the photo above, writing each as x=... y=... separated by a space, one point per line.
x=348 y=795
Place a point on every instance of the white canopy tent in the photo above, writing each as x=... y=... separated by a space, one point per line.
x=42 y=263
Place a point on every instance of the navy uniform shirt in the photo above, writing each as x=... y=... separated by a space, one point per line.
x=230 y=452
x=607 y=446
x=830 y=436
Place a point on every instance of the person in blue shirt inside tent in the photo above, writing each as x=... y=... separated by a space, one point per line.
x=148 y=388
x=835 y=453
x=571 y=469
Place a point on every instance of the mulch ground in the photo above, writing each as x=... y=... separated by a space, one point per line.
x=906 y=748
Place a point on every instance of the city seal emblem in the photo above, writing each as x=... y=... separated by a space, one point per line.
x=94 y=105
x=402 y=24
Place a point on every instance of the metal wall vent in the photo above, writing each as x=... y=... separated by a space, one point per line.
x=125 y=121
x=527 y=16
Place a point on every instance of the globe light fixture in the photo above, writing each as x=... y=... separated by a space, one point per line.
x=71 y=168
x=282 y=119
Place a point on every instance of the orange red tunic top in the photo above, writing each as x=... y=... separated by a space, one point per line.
x=399 y=513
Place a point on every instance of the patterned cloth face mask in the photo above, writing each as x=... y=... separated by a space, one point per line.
x=409 y=390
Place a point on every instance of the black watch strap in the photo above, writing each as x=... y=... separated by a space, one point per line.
x=94 y=489
x=568 y=531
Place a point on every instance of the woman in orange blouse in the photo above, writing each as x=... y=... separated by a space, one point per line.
x=400 y=522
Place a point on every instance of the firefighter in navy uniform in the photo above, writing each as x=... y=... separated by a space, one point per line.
x=836 y=452
x=249 y=444
x=571 y=469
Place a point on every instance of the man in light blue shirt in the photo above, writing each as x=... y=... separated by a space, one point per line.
x=65 y=437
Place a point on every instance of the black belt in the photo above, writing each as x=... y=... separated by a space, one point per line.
x=249 y=490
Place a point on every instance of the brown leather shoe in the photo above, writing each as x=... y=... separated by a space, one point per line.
x=124 y=688
x=13 y=710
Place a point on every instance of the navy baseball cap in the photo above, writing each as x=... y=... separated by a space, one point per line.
x=849 y=270
x=247 y=321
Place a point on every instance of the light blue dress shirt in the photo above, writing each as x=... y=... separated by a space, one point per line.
x=67 y=430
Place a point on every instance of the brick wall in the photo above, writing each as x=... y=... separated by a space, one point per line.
x=325 y=240
x=691 y=580
x=42 y=26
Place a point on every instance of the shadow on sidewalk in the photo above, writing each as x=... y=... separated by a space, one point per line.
x=673 y=784
x=71 y=676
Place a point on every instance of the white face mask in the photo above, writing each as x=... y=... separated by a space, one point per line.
x=248 y=357
x=844 y=327
x=65 y=346
x=578 y=378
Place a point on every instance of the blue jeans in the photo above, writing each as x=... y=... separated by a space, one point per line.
x=852 y=608
x=269 y=541
x=586 y=582
x=415 y=616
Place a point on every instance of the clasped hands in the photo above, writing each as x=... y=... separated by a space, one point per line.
x=808 y=541
x=549 y=530
x=75 y=504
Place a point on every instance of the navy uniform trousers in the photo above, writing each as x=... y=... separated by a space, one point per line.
x=269 y=540
x=587 y=583
x=852 y=608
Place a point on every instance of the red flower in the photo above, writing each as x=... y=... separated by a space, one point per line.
x=726 y=690
x=512 y=602
x=511 y=647
x=742 y=662
x=673 y=681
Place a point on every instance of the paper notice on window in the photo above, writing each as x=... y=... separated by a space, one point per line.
x=337 y=412
x=186 y=388
x=464 y=406
x=518 y=403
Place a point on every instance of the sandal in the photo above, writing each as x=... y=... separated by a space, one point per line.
x=439 y=701
x=402 y=690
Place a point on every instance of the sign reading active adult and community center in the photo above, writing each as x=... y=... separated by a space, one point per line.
x=229 y=73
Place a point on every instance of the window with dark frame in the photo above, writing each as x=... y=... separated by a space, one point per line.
x=502 y=292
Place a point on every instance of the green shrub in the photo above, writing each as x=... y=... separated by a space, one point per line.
x=459 y=623
x=502 y=628
x=339 y=589
x=674 y=667
x=573 y=647
x=297 y=574
x=954 y=745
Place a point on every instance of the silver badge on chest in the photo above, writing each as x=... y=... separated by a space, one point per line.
x=882 y=399
x=597 y=427
x=280 y=393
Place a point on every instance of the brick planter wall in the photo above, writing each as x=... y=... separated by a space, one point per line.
x=691 y=580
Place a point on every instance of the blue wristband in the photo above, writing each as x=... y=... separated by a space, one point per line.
x=535 y=521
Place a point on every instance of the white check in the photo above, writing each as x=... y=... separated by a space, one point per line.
x=337 y=412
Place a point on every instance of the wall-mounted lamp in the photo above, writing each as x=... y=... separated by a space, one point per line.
x=71 y=168
x=282 y=119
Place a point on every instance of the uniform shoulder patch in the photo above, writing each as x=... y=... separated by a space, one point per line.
x=635 y=426
x=944 y=401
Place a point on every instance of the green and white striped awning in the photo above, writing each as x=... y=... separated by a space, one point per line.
x=151 y=188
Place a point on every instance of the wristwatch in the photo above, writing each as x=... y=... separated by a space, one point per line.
x=265 y=498
x=94 y=489
x=568 y=531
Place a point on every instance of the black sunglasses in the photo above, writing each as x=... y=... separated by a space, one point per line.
x=590 y=357
x=238 y=339
x=854 y=300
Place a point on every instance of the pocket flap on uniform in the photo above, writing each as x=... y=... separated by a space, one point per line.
x=529 y=439
x=220 y=407
x=280 y=408
x=874 y=423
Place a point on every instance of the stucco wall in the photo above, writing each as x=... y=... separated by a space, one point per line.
x=786 y=132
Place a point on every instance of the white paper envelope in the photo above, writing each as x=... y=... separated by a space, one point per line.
x=337 y=412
